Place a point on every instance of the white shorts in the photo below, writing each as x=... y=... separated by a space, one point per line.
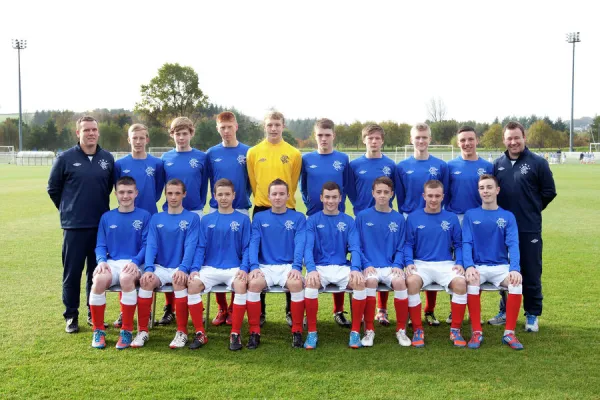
x=242 y=210
x=439 y=272
x=493 y=274
x=275 y=274
x=199 y=212
x=116 y=266
x=211 y=276
x=384 y=275
x=337 y=275
x=165 y=275
x=460 y=218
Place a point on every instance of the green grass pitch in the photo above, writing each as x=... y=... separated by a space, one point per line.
x=39 y=360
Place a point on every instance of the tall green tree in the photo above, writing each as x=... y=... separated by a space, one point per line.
x=492 y=138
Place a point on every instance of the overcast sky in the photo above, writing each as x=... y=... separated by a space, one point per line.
x=346 y=60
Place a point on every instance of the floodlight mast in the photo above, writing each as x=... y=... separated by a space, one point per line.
x=19 y=45
x=572 y=37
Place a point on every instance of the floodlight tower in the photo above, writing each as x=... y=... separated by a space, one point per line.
x=20 y=45
x=572 y=37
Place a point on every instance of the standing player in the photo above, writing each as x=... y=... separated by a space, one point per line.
x=228 y=160
x=212 y=266
x=120 y=251
x=463 y=174
x=276 y=251
x=170 y=248
x=364 y=170
x=490 y=235
x=149 y=176
x=79 y=185
x=381 y=231
x=527 y=189
x=411 y=175
x=330 y=236
x=271 y=159
x=318 y=167
x=432 y=236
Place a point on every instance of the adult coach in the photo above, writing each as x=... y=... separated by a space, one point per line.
x=527 y=187
x=80 y=183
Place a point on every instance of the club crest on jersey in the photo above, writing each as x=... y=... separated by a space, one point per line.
x=369 y=224
x=393 y=227
x=218 y=159
x=137 y=224
x=362 y=172
x=241 y=159
x=194 y=163
x=480 y=171
x=77 y=164
x=457 y=173
x=103 y=164
x=501 y=222
x=386 y=171
x=284 y=159
x=112 y=226
x=501 y=169
x=421 y=226
x=150 y=171
x=476 y=222
x=433 y=171
x=320 y=226
x=126 y=171
x=445 y=225
x=312 y=166
x=265 y=225
x=337 y=165
x=524 y=169
x=341 y=227
x=235 y=226
x=289 y=225
x=183 y=224
x=211 y=226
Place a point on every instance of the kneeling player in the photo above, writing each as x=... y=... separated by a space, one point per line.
x=276 y=251
x=172 y=241
x=490 y=235
x=120 y=250
x=381 y=231
x=432 y=234
x=330 y=235
x=224 y=229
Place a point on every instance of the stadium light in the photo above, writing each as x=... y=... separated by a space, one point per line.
x=19 y=45
x=572 y=37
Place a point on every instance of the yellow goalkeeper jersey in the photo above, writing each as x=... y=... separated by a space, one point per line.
x=267 y=162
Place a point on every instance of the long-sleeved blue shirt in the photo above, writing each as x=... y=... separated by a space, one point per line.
x=230 y=163
x=463 y=193
x=80 y=185
x=329 y=238
x=526 y=188
x=191 y=168
x=122 y=236
x=489 y=236
x=411 y=175
x=278 y=239
x=363 y=172
x=223 y=241
x=318 y=169
x=149 y=179
x=172 y=240
x=433 y=237
x=381 y=238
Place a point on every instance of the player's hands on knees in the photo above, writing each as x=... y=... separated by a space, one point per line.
x=192 y=276
x=515 y=278
x=180 y=278
x=257 y=273
x=356 y=278
x=369 y=271
x=397 y=273
x=410 y=269
x=131 y=268
x=459 y=270
x=242 y=276
x=147 y=278
x=472 y=274
x=102 y=268
x=313 y=279
x=294 y=274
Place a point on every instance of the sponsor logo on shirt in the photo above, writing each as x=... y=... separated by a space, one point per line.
x=341 y=227
x=235 y=226
x=409 y=172
x=421 y=226
x=524 y=169
x=126 y=171
x=218 y=159
x=337 y=165
x=312 y=166
x=265 y=225
x=386 y=171
x=262 y=160
x=433 y=171
x=501 y=169
x=77 y=164
x=137 y=224
x=476 y=222
x=457 y=172
x=480 y=171
x=194 y=163
x=150 y=171
x=369 y=224
x=241 y=159
x=534 y=241
x=211 y=226
x=284 y=159
x=112 y=226
x=362 y=172
x=183 y=224
x=393 y=227
x=320 y=226
x=103 y=164
x=289 y=225
x=501 y=222
x=445 y=225
x=159 y=226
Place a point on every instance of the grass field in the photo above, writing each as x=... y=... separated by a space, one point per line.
x=39 y=360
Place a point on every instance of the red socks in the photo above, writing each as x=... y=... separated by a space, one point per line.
x=181 y=313
x=128 y=313
x=297 y=309
x=415 y=316
x=382 y=299
x=401 y=307
x=196 y=311
x=474 y=304
x=237 y=317
x=98 y=316
x=370 y=304
x=312 y=307
x=458 y=314
x=144 y=306
x=430 y=300
x=222 y=300
x=513 y=305
x=338 y=302
x=358 y=311
x=254 y=310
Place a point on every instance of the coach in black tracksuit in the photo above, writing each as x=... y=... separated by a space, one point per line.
x=526 y=188
x=80 y=183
